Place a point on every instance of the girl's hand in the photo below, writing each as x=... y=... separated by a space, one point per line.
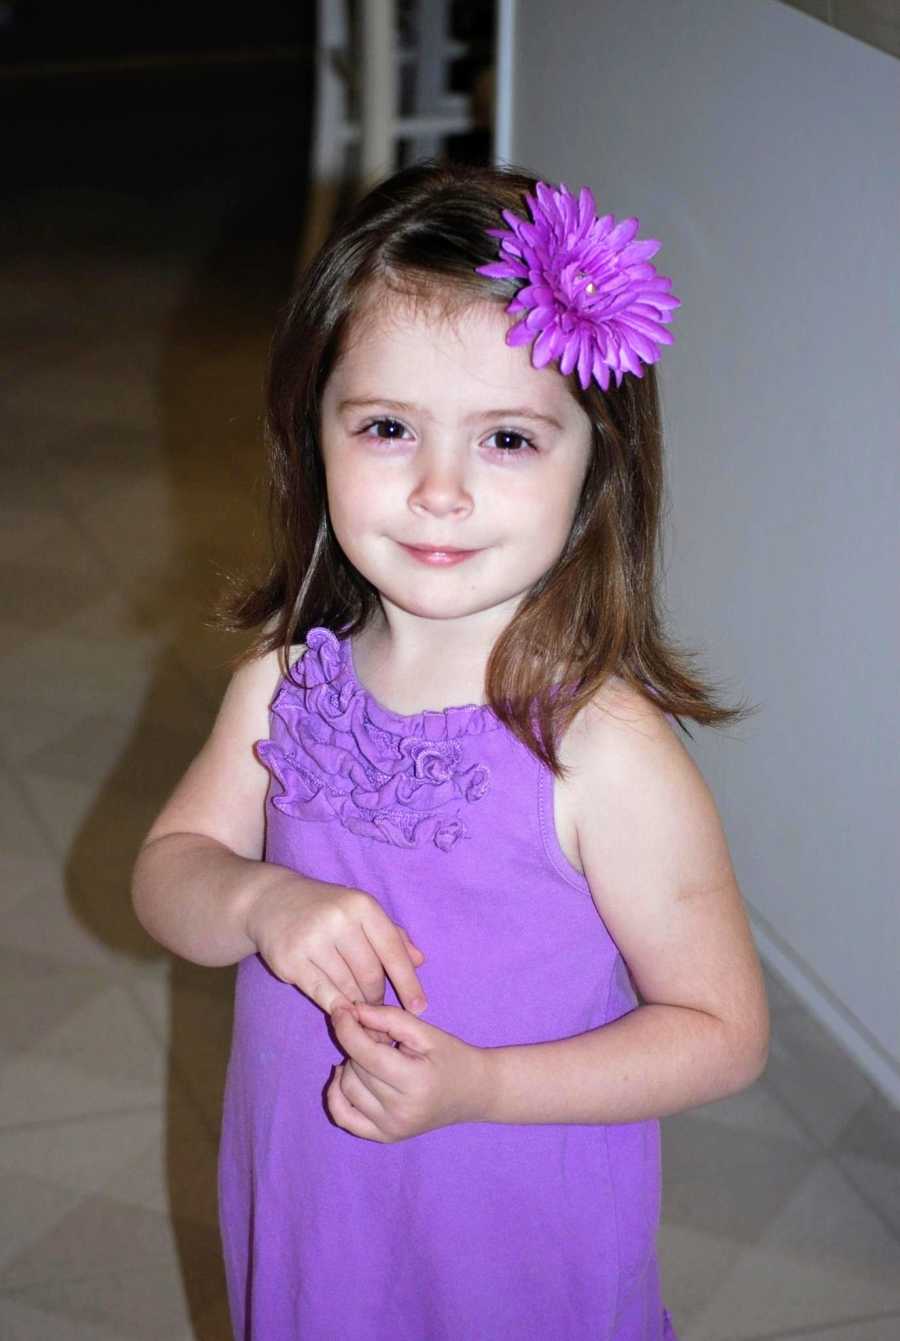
x=429 y=1079
x=336 y=944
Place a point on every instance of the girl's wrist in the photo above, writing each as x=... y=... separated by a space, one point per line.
x=264 y=883
x=484 y=1090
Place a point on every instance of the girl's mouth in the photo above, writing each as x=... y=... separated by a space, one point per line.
x=438 y=558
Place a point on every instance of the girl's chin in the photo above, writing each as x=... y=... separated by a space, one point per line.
x=424 y=605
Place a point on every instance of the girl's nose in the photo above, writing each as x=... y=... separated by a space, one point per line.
x=440 y=488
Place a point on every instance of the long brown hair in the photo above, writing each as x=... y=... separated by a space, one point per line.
x=595 y=613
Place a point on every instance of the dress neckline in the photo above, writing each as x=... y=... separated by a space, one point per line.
x=335 y=653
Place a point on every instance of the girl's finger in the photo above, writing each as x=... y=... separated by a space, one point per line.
x=391 y=949
x=378 y=1037
x=362 y=1091
x=357 y=952
x=345 y=1115
x=315 y=983
x=402 y=1027
x=416 y=955
x=384 y=1063
x=333 y=980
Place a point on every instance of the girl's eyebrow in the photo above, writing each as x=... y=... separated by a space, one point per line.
x=519 y=412
x=404 y=407
x=360 y=402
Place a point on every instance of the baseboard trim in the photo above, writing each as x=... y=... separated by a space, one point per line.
x=870 y=1056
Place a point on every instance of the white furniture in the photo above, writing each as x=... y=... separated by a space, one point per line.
x=360 y=63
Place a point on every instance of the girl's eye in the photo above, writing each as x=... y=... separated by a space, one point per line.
x=507 y=440
x=386 y=430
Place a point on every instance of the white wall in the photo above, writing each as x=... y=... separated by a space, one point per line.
x=763 y=149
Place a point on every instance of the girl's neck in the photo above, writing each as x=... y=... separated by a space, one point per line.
x=410 y=665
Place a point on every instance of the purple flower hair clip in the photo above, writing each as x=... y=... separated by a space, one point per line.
x=591 y=298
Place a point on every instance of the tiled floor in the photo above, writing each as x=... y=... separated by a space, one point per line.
x=130 y=433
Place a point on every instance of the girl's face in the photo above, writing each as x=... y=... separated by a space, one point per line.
x=453 y=466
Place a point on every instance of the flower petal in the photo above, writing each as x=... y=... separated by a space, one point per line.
x=543 y=350
x=519 y=335
x=586 y=208
x=629 y=360
x=600 y=370
x=652 y=329
x=642 y=347
x=569 y=355
x=585 y=360
x=640 y=251
x=539 y=318
x=622 y=234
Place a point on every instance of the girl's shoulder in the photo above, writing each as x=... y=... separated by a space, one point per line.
x=626 y=770
x=635 y=795
x=222 y=793
x=619 y=726
x=254 y=686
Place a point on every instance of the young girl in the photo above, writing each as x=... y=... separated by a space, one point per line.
x=447 y=776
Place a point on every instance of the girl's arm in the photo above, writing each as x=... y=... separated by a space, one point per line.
x=201 y=888
x=655 y=857
x=199 y=869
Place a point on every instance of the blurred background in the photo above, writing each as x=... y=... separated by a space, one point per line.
x=166 y=170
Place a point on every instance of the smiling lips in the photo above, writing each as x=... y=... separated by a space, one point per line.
x=439 y=558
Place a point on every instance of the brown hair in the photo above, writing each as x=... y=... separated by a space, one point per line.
x=595 y=614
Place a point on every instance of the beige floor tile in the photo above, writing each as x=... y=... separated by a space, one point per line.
x=157 y=1299
x=85 y=387
x=23 y=1319
x=20 y=876
x=27 y=726
x=737 y=1204
x=736 y=1131
x=155 y=1166
x=144 y=759
x=878 y=1184
x=209 y=657
x=98 y=460
x=693 y=1264
x=813 y=1077
x=868 y=1153
x=118 y=613
x=824 y=1258
x=191 y=1012
x=72 y=813
x=43 y=536
x=122 y=1155
x=23 y=486
x=21 y=832
x=38 y=597
x=74 y=1044
x=101 y=897
x=874 y=1329
x=134 y=520
x=98 y=675
x=873 y=1134
x=40 y=916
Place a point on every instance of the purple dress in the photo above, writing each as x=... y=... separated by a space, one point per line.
x=479 y=1232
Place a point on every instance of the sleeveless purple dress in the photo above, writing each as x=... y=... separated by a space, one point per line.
x=479 y=1232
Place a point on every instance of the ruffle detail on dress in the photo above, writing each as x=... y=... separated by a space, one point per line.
x=399 y=780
